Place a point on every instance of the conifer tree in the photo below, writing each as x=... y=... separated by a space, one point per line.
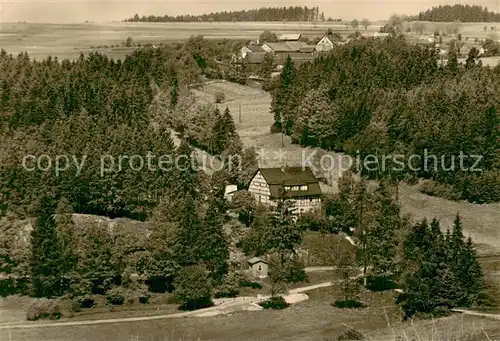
x=186 y=173
x=218 y=135
x=213 y=246
x=283 y=234
x=349 y=286
x=46 y=254
x=174 y=91
x=381 y=236
x=283 y=92
x=229 y=126
x=66 y=231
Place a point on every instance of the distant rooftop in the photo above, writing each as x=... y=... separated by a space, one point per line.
x=289 y=37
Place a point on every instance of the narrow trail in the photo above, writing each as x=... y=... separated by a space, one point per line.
x=222 y=307
x=477 y=313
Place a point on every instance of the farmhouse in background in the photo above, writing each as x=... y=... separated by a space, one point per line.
x=248 y=49
x=258 y=267
x=297 y=184
x=325 y=44
x=290 y=37
x=290 y=46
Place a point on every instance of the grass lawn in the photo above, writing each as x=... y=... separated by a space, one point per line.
x=311 y=320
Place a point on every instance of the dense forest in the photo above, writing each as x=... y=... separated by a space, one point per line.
x=388 y=98
x=458 y=12
x=92 y=107
x=295 y=13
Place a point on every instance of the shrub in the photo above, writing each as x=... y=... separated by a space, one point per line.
x=115 y=296
x=381 y=283
x=436 y=189
x=351 y=334
x=295 y=272
x=219 y=97
x=85 y=301
x=229 y=286
x=441 y=312
x=348 y=304
x=250 y=284
x=144 y=297
x=193 y=286
x=275 y=302
x=44 y=309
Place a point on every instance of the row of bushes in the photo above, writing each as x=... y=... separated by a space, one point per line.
x=54 y=308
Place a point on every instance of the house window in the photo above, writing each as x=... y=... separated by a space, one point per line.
x=260 y=267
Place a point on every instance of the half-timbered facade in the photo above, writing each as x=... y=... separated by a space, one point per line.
x=297 y=184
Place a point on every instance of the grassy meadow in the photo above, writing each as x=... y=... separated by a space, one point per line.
x=69 y=40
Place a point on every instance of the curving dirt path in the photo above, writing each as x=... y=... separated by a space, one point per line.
x=215 y=310
x=476 y=313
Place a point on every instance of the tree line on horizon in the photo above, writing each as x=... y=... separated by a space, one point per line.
x=292 y=13
x=457 y=12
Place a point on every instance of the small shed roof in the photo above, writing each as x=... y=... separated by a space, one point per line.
x=256 y=260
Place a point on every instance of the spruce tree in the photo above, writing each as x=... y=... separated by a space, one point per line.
x=218 y=135
x=229 y=126
x=174 y=90
x=283 y=92
x=68 y=239
x=186 y=183
x=213 y=245
x=283 y=233
x=382 y=241
x=469 y=274
x=46 y=254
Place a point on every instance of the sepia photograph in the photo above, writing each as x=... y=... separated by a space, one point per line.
x=223 y=170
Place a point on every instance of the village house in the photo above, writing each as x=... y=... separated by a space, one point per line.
x=297 y=184
x=290 y=46
x=248 y=49
x=325 y=44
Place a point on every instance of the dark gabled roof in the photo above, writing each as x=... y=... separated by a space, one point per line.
x=277 y=178
x=255 y=48
x=279 y=47
x=290 y=175
x=256 y=260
